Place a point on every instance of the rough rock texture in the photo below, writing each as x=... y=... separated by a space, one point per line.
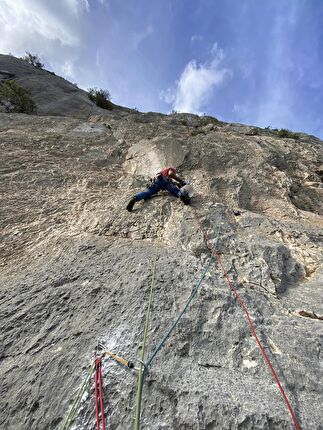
x=76 y=268
x=52 y=94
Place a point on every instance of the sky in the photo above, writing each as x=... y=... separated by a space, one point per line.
x=248 y=61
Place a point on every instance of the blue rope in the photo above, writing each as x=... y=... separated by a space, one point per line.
x=193 y=294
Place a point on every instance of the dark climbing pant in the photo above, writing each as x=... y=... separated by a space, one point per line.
x=158 y=185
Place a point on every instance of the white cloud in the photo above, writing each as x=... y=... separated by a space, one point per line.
x=278 y=109
x=217 y=52
x=197 y=83
x=78 y=6
x=168 y=95
x=105 y=5
x=53 y=30
x=68 y=69
x=137 y=38
x=196 y=38
x=241 y=109
x=29 y=25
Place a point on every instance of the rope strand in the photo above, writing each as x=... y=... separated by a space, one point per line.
x=218 y=258
x=193 y=294
x=71 y=415
x=142 y=369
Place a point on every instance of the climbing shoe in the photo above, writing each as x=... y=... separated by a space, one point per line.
x=130 y=205
x=185 y=198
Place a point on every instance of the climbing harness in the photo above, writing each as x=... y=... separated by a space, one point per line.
x=216 y=254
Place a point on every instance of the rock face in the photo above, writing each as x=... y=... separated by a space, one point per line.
x=76 y=269
x=52 y=94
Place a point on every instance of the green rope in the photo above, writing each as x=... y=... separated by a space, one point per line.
x=144 y=342
x=193 y=294
x=168 y=333
x=144 y=366
x=71 y=415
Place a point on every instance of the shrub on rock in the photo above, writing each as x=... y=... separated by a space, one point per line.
x=283 y=132
x=34 y=60
x=16 y=98
x=100 y=97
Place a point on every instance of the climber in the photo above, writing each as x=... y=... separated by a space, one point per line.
x=166 y=179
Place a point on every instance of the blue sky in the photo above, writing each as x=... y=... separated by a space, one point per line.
x=250 y=61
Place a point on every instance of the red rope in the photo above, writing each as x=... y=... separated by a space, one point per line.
x=217 y=256
x=98 y=393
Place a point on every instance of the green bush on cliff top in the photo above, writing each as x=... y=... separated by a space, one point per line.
x=17 y=96
x=34 y=60
x=100 y=97
x=284 y=132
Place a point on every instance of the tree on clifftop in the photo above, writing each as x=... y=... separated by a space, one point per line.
x=34 y=60
x=100 y=97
